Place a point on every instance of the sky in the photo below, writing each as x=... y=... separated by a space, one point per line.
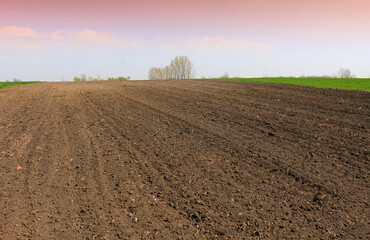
x=52 y=40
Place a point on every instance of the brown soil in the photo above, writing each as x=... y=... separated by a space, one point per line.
x=183 y=159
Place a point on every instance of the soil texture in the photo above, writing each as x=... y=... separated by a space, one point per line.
x=183 y=160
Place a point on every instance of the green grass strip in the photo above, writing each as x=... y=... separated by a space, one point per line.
x=11 y=84
x=362 y=84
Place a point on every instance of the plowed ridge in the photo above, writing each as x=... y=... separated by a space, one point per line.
x=188 y=159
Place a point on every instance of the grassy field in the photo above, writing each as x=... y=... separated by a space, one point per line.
x=10 y=84
x=338 y=83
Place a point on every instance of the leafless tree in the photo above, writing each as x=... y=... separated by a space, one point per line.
x=225 y=76
x=83 y=77
x=345 y=73
x=167 y=73
x=180 y=68
x=152 y=73
x=155 y=73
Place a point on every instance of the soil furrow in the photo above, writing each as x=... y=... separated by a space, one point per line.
x=183 y=159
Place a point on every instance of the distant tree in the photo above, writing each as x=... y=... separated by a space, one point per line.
x=119 y=78
x=345 y=73
x=16 y=80
x=99 y=78
x=168 y=73
x=155 y=73
x=225 y=76
x=318 y=76
x=83 y=77
x=151 y=73
x=180 y=68
x=123 y=78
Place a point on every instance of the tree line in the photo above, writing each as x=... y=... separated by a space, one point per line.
x=84 y=78
x=179 y=68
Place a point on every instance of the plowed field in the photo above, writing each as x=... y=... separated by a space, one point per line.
x=183 y=159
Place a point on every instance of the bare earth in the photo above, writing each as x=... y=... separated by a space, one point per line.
x=183 y=159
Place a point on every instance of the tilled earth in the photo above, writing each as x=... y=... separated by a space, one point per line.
x=183 y=159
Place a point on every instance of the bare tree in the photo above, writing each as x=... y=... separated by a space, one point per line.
x=83 y=77
x=156 y=73
x=168 y=73
x=226 y=75
x=175 y=69
x=180 y=68
x=151 y=73
x=345 y=73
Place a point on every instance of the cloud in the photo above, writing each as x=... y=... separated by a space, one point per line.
x=14 y=31
x=29 y=37
x=82 y=36
x=91 y=36
x=226 y=44
x=58 y=35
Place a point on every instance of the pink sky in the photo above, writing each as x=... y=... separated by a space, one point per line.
x=200 y=16
x=275 y=33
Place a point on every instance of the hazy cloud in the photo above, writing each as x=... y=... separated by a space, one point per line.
x=91 y=36
x=226 y=44
x=29 y=37
x=86 y=36
x=14 y=31
x=58 y=35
